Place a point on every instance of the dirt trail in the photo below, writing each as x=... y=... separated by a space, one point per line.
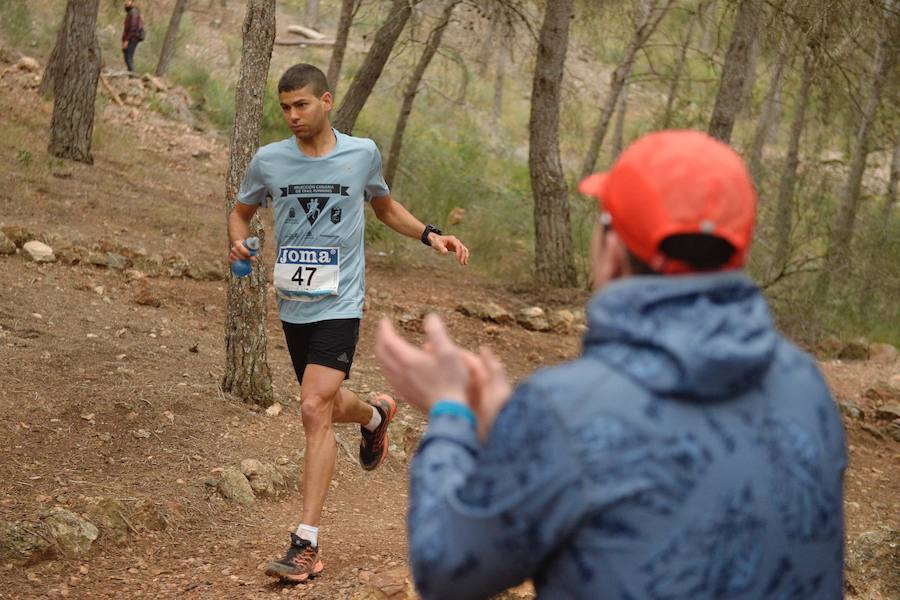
x=88 y=371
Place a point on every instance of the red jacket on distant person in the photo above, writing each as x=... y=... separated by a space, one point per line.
x=133 y=25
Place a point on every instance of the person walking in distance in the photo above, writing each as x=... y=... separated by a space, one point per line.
x=132 y=33
x=690 y=453
x=320 y=181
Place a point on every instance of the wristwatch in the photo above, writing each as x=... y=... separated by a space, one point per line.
x=429 y=229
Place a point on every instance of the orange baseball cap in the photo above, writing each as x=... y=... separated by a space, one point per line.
x=676 y=182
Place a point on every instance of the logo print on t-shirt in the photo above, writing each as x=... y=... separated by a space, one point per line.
x=313 y=207
x=335 y=215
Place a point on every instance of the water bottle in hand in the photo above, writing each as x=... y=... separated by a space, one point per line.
x=242 y=268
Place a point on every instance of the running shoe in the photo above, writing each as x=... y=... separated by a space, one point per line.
x=299 y=564
x=373 y=447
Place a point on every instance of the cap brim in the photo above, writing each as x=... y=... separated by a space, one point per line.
x=594 y=185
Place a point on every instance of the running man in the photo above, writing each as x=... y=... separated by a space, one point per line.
x=320 y=180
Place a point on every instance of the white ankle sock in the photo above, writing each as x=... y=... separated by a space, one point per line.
x=375 y=421
x=308 y=533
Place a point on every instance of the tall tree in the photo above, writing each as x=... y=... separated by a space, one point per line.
x=770 y=112
x=412 y=88
x=647 y=21
x=373 y=65
x=75 y=83
x=168 y=48
x=247 y=372
x=883 y=227
x=736 y=70
x=348 y=7
x=554 y=261
x=679 y=70
x=54 y=62
x=618 y=141
x=312 y=13
x=838 y=253
x=784 y=209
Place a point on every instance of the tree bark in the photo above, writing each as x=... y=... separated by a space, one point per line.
x=499 y=78
x=247 y=372
x=412 y=88
x=554 y=262
x=54 y=63
x=708 y=26
x=647 y=23
x=168 y=49
x=881 y=237
x=736 y=70
x=618 y=141
x=770 y=113
x=373 y=65
x=676 y=76
x=75 y=84
x=784 y=210
x=340 y=43
x=837 y=256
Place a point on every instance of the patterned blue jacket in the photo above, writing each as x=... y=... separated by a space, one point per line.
x=690 y=453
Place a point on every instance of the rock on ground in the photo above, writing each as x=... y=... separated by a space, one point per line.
x=855 y=350
x=533 y=319
x=487 y=311
x=109 y=515
x=883 y=354
x=872 y=564
x=72 y=533
x=39 y=252
x=22 y=542
x=234 y=486
x=7 y=246
x=265 y=479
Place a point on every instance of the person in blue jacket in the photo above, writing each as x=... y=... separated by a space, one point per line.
x=690 y=452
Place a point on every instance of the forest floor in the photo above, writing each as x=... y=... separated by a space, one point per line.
x=104 y=394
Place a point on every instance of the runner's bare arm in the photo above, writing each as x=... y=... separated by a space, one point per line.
x=239 y=230
x=394 y=215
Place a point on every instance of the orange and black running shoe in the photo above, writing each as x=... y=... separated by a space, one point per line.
x=373 y=447
x=299 y=564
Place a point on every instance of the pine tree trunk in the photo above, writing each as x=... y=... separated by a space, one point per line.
x=246 y=365
x=54 y=63
x=75 y=84
x=312 y=14
x=499 y=77
x=736 y=70
x=676 y=76
x=881 y=237
x=373 y=65
x=412 y=88
x=769 y=114
x=837 y=256
x=784 y=211
x=168 y=49
x=708 y=26
x=647 y=24
x=618 y=141
x=340 y=44
x=554 y=262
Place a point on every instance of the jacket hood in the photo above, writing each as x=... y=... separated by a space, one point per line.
x=704 y=337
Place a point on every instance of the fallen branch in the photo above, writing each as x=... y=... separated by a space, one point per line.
x=110 y=91
x=287 y=42
x=306 y=32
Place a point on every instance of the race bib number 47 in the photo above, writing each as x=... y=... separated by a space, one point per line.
x=307 y=273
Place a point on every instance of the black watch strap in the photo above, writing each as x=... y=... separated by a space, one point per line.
x=429 y=229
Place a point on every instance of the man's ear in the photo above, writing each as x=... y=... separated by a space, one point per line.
x=327 y=100
x=616 y=255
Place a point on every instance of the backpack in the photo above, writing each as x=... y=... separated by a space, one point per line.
x=141 y=34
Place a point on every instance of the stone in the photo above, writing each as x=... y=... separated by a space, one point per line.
x=851 y=410
x=18 y=235
x=456 y=216
x=151 y=265
x=829 y=346
x=207 y=270
x=883 y=354
x=23 y=543
x=7 y=246
x=872 y=431
x=72 y=533
x=274 y=410
x=150 y=516
x=264 y=479
x=98 y=259
x=871 y=564
x=70 y=255
x=201 y=154
x=39 y=252
x=109 y=515
x=51 y=239
x=156 y=83
x=177 y=266
x=487 y=311
x=393 y=584
x=28 y=64
x=894 y=382
x=893 y=430
x=855 y=350
x=410 y=322
x=561 y=321
x=233 y=485
x=533 y=319
x=141 y=434
x=116 y=261
x=888 y=412
x=882 y=392
x=145 y=295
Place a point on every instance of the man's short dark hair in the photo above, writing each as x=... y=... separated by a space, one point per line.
x=302 y=75
x=702 y=252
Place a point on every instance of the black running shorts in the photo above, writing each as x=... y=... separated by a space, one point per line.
x=327 y=343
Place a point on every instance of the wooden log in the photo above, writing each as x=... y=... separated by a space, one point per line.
x=306 y=32
x=111 y=92
x=296 y=42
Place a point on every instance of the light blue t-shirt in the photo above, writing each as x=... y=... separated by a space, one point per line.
x=319 y=204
